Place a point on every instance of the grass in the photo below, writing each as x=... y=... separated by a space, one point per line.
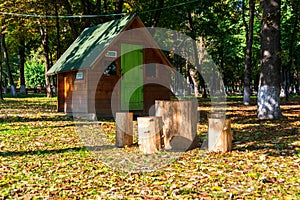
x=42 y=156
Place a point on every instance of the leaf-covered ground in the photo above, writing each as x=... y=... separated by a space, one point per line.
x=42 y=156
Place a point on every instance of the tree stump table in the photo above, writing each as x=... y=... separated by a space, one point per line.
x=180 y=119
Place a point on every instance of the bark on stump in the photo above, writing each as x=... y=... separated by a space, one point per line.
x=124 y=125
x=180 y=119
x=219 y=134
x=149 y=134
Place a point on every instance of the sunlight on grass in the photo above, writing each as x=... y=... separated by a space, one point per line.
x=42 y=156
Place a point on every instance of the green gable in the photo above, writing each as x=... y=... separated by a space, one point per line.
x=89 y=45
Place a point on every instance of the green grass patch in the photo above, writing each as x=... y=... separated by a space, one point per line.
x=43 y=157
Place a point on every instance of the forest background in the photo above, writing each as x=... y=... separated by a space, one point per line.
x=34 y=34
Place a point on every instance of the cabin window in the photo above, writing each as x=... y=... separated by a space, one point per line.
x=110 y=68
x=151 y=70
x=79 y=76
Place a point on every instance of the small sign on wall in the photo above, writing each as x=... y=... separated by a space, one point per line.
x=111 y=54
x=79 y=76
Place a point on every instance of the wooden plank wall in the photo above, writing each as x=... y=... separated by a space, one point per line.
x=100 y=86
x=60 y=93
x=71 y=92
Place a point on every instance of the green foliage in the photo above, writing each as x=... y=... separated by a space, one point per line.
x=34 y=73
x=219 y=22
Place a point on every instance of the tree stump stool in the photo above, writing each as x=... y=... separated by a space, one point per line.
x=219 y=133
x=124 y=125
x=149 y=134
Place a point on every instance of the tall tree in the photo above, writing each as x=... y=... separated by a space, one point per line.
x=296 y=71
x=268 y=102
x=1 y=97
x=157 y=13
x=6 y=59
x=58 y=47
x=291 y=47
x=46 y=52
x=71 y=21
x=86 y=7
x=21 y=66
x=197 y=49
x=248 y=53
x=98 y=7
x=119 y=6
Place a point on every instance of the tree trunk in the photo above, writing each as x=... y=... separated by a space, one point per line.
x=22 y=63
x=124 y=133
x=157 y=13
x=71 y=20
x=45 y=44
x=58 y=52
x=248 y=57
x=4 y=82
x=179 y=123
x=288 y=77
x=195 y=83
x=268 y=102
x=296 y=79
x=187 y=78
x=219 y=134
x=149 y=134
x=86 y=11
x=119 y=6
x=198 y=56
x=5 y=54
x=1 y=97
x=105 y=6
x=98 y=7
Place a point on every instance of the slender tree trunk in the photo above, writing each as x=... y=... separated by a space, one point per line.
x=86 y=11
x=296 y=72
x=5 y=54
x=98 y=7
x=291 y=55
x=268 y=102
x=58 y=48
x=22 y=63
x=198 y=56
x=194 y=80
x=1 y=97
x=157 y=13
x=203 y=87
x=286 y=81
x=188 y=78
x=119 y=6
x=71 y=20
x=193 y=72
x=248 y=57
x=4 y=82
x=217 y=84
x=45 y=44
x=105 y=6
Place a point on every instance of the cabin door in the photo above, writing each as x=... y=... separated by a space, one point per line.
x=132 y=77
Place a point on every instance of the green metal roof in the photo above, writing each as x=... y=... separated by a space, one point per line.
x=89 y=45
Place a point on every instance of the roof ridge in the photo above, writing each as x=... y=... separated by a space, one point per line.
x=80 y=53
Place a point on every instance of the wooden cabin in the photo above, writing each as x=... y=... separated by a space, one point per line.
x=112 y=67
